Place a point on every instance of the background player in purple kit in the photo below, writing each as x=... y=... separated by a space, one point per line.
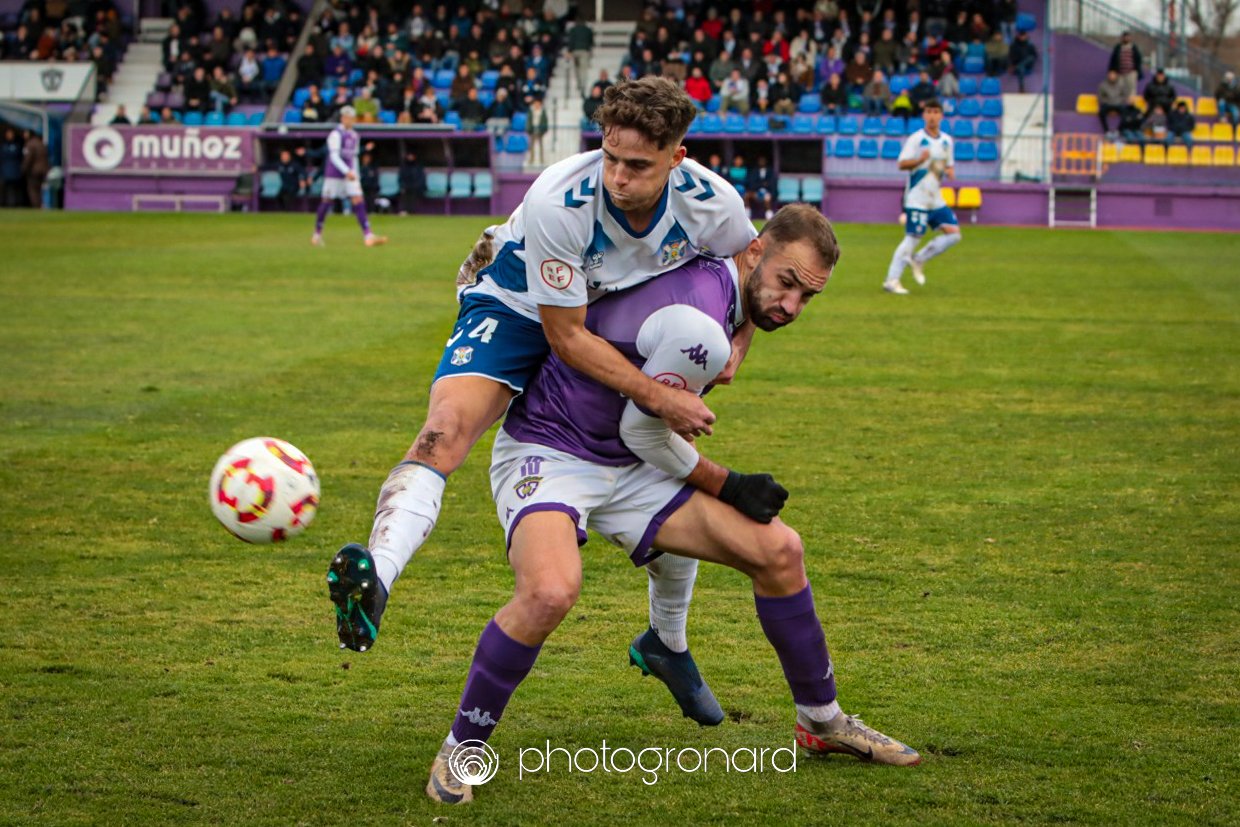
x=564 y=461
x=341 y=179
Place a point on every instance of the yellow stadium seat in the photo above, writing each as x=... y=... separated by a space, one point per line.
x=1222 y=132
x=949 y=196
x=1130 y=154
x=1201 y=156
x=1207 y=107
x=1201 y=132
x=1156 y=154
x=1087 y=104
x=1189 y=102
x=1224 y=156
x=1139 y=102
x=969 y=198
x=1177 y=156
x=1110 y=153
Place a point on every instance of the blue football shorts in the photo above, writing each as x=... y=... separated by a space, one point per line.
x=493 y=341
x=917 y=221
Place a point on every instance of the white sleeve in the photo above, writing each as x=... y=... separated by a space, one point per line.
x=686 y=349
x=554 y=240
x=730 y=229
x=909 y=151
x=333 y=153
x=951 y=152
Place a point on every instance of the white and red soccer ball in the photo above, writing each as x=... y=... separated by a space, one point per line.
x=264 y=490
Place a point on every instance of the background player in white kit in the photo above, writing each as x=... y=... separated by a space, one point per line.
x=341 y=179
x=928 y=156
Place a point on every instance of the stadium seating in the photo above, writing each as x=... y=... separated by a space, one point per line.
x=256 y=119
x=1222 y=132
x=213 y=119
x=1201 y=132
x=894 y=128
x=990 y=88
x=1156 y=155
x=992 y=108
x=236 y=119
x=484 y=184
x=803 y=124
x=810 y=104
x=1087 y=104
x=965 y=151
x=962 y=130
x=828 y=124
x=1177 y=156
x=460 y=185
x=452 y=119
x=192 y=118
x=788 y=190
x=712 y=123
x=489 y=79
x=1201 y=156
x=292 y=116
x=969 y=198
x=811 y=190
x=437 y=183
x=516 y=143
x=968 y=108
x=849 y=125
x=987 y=151
x=949 y=196
x=269 y=186
x=1224 y=156
x=890 y=150
x=973 y=65
x=1130 y=154
x=387 y=116
x=872 y=126
x=756 y=124
x=844 y=148
x=733 y=124
x=389 y=183
x=1110 y=153
x=867 y=149
x=714 y=104
x=988 y=130
x=1207 y=108
x=519 y=123
x=968 y=87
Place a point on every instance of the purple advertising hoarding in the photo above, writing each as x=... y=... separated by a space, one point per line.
x=160 y=150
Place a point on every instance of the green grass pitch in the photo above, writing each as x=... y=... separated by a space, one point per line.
x=1018 y=489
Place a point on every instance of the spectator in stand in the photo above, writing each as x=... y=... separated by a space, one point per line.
x=885 y=52
x=858 y=74
x=171 y=47
x=579 y=44
x=784 y=95
x=1227 y=93
x=834 y=96
x=1126 y=62
x=760 y=188
x=1112 y=97
x=1180 y=124
x=121 y=117
x=760 y=98
x=343 y=39
x=720 y=70
x=408 y=107
x=922 y=91
x=902 y=106
x=293 y=180
x=249 y=76
x=1021 y=57
x=948 y=86
x=309 y=67
x=877 y=95
x=471 y=110
x=1005 y=11
x=501 y=110
x=273 y=69
x=146 y=117
x=1159 y=92
x=538 y=128
x=428 y=108
x=366 y=106
x=412 y=177
x=35 y=167
x=223 y=92
x=996 y=55
x=197 y=91
x=167 y=117
x=957 y=33
x=735 y=93
x=698 y=87
x=533 y=89
x=462 y=83
x=340 y=102
x=315 y=109
x=829 y=64
x=14 y=181
x=738 y=174
x=220 y=50
x=1155 y=125
x=715 y=164
x=1132 y=124
x=338 y=64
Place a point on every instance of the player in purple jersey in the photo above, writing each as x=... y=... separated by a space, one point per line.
x=340 y=179
x=565 y=460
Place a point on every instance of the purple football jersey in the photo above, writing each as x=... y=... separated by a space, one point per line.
x=570 y=412
x=350 y=141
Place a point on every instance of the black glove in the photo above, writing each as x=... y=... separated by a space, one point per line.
x=757 y=496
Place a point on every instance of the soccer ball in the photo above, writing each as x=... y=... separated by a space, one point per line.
x=264 y=490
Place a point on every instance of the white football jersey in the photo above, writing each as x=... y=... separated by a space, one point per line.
x=922 y=190
x=567 y=244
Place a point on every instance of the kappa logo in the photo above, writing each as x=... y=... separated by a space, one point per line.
x=478 y=717
x=673 y=251
x=697 y=355
x=51 y=79
x=557 y=274
x=462 y=355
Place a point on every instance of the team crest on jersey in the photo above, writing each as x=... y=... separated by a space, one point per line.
x=526 y=486
x=557 y=274
x=673 y=251
x=462 y=355
x=674 y=380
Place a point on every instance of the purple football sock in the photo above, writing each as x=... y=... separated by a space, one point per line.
x=363 y=221
x=792 y=627
x=500 y=664
x=324 y=208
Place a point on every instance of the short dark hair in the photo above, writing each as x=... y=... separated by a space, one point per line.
x=802 y=222
x=654 y=106
x=933 y=103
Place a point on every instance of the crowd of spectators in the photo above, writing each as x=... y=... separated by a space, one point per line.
x=23 y=167
x=67 y=30
x=762 y=57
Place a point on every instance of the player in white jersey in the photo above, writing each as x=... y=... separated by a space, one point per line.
x=341 y=179
x=928 y=156
x=588 y=225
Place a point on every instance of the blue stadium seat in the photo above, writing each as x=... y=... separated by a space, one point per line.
x=867 y=149
x=810 y=104
x=802 y=124
x=517 y=143
x=915 y=124
x=968 y=108
x=898 y=84
x=849 y=125
x=357 y=76
x=489 y=78
x=827 y=125
x=987 y=151
x=257 y=118
x=443 y=79
x=445 y=100
x=844 y=148
x=300 y=96
x=387 y=116
x=460 y=185
x=154 y=117
x=520 y=121
x=893 y=127
x=437 y=183
x=214 y=119
x=316 y=187
x=714 y=103
x=1026 y=22
x=733 y=123
x=990 y=88
x=712 y=123
x=758 y=124
x=695 y=126
x=989 y=130
x=965 y=151
x=992 y=108
x=484 y=184
x=945 y=126
x=968 y=87
x=826 y=148
x=270 y=186
x=788 y=190
x=973 y=65
x=872 y=126
x=486 y=97
x=235 y=119
x=891 y=150
x=811 y=190
x=949 y=106
x=452 y=119
x=194 y=118
x=389 y=183
x=962 y=129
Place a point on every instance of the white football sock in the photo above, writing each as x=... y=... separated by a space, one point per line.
x=822 y=713
x=899 y=259
x=408 y=507
x=938 y=245
x=671 y=589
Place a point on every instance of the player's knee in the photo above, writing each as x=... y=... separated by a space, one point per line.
x=548 y=603
x=784 y=558
x=443 y=440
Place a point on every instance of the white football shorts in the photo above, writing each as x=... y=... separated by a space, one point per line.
x=341 y=188
x=626 y=505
